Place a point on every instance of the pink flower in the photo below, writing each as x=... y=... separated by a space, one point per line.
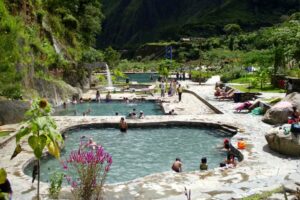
x=89 y=164
x=64 y=164
x=69 y=178
x=109 y=160
x=74 y=184
x=107 y=168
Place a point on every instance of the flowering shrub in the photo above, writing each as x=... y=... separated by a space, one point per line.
x=87 y=169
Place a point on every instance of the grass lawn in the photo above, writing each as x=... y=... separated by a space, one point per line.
x=264 y=195
x=4 y=133
x=268 y=88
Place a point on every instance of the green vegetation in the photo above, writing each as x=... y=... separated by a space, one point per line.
x=42 y=36
x=264 y=195
x=133 y=23
x=268 y=88
x=4 y=133
x=40 y=132
x=146 y=66
x=55 y=185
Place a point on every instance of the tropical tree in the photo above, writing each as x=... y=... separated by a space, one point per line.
x=92 y=55
x=41 y=131
x=112 y=57
x=232 y=30
x=163 y=71
x=263 y=76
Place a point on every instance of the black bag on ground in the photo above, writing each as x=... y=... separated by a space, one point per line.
x=295 y=128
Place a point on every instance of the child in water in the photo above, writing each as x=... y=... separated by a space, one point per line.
x=203 y=165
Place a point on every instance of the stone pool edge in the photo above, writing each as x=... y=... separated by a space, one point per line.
x=83 y=122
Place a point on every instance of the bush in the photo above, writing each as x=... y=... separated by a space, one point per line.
x=294 y=73
x=70 y=22
x=39 y=16
x=87 y=169
x=254 y=83
x=12 y=92
x=101 y=79
x=55 y=185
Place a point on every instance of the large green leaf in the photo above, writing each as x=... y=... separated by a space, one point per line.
x=17 y=150
x=33 y=141
x=38 y=152
x=41 y=122
x=37 y=144
x=23 y=132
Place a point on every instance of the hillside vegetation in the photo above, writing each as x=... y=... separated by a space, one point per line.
x=44 y=37
x=129 y=23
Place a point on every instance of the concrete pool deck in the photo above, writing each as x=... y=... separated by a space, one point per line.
x=261 y=170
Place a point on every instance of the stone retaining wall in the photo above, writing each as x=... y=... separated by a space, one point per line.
x=217 y=111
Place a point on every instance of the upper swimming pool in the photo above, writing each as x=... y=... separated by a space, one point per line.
x=110 y=108
x=142 y=77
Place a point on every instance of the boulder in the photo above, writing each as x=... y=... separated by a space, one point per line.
x=290 y=186
x=12 y=111
x=281 y=143
x=279 y=113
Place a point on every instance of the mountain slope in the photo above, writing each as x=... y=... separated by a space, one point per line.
x=132 y=22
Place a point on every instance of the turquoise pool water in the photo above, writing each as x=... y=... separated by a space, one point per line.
x=144 y=151
x=142 y=77
x=110 y=108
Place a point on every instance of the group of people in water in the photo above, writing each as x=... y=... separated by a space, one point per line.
x=229 y=162
x=134 y=115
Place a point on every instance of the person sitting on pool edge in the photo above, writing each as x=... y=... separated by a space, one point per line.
x=177 y=165
x=123 y=125
x=141 y=116
x=108 y=97
x=203 y=165
x=172 y=112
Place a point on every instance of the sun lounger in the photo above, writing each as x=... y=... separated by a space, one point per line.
x=227 y=95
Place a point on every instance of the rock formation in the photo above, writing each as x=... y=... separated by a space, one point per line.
x=12 y=111
x=279 y=113
x=282 y=143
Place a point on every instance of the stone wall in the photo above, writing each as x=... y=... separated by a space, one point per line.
x=12 y=111
x=55 y=91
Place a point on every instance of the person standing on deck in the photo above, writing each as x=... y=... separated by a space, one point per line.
x=179 y=90
x=162 y=89
x=97 y=96
x=289 y=87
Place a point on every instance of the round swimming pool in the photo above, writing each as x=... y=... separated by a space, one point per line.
x=144 y=151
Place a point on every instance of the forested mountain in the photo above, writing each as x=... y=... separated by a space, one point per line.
x=132 y=22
